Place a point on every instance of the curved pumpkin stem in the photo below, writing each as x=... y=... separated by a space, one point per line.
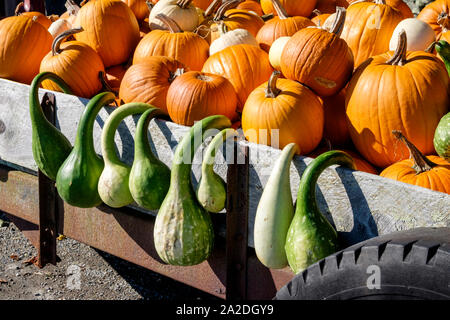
x=222 y=28
x=430 y=48
x=171 y=24
x=338 y=24
x=183 y=4
x=380 y=1
x=212 y=8
x=105 y=84
x=421 y=163
x=72 y=7
x=444 y=21
x=220 y=14
x=19 y=9
x=149 y=5
x=272 y=91
x=279 y=9
x=175 y=74
x=399 y=57
x=317 y=12
x=60 y=38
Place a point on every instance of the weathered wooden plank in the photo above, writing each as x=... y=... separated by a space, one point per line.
x=360 y=205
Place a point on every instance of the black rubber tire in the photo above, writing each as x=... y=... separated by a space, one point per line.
x=413 y=264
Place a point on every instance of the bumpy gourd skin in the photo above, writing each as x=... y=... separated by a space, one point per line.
x=78 y=176
x=149 y=177
x=113 y=185
x=443 y=48
x=50 y=147
x=183 y=230
x=211 y=190
x=311 y=237
x=442 y=137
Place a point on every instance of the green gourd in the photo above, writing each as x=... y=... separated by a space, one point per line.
x=78 y=176
x=311 y=237
x=183 y=231
x=275 y=212
x=211 y=190
x=149 y=177
x=443 y=48
x=442 y=137
x=50 y=147
x=113 y=185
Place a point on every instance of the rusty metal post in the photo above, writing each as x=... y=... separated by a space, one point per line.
x=34 y=5
x=237 y=226
x=47 y=200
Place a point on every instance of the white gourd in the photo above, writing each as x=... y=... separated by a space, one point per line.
x=181 y=11
x=58 y=27
x=419 y=35
x=231 y=38
x=276 y=50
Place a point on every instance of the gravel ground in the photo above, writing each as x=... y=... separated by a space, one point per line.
x=101 y=276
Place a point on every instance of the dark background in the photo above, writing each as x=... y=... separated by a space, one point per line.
x=7 y=7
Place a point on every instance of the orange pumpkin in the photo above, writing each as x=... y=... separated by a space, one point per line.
x=430 y=172
x=76 y=63
x=329 y=6
x=436 y=14
x=336 y=129
x=251 y=5
x=195 y=95
x=368 y=28
x=405 y=91
x=23 y=44
x=139 y=8
x=319 y=17
x=400 y=5
x=114 y=76
x=235 y=19
x=244 y=65
x=110 y=28
x=184 y=46
x=149 y=81
x=202 y=4
x=319 y=58
x=293 y=7
x=39 y=17
x=282 y=111
x=280 y=26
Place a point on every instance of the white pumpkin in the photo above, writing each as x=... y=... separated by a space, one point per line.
x=276 y=50
x=58 y=27
x=181 y=11
x=419 y=35
x=231 y=38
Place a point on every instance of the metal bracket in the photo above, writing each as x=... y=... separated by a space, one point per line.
x=237 y=225
x=47 y=199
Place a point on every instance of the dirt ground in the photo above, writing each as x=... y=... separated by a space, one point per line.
x=82 y=274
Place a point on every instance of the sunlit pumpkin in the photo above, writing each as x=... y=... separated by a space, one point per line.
x=251 y=5
x=23 y=44
x=406 y=91
x=110 y=28
x=280 y=26
x=149 y=81
x=319 y=58
x=293 y=7
x=183 y=12
x=400 y=5
x=244 y=65
x=430 y=172
x=186 y=47
x=319 y=18
x=139 y=8
x=282 y=111
x=195 y=95
x=76 y=63
x=369 y=27
x=437 y=15
x=202 y=4
x=329 y=6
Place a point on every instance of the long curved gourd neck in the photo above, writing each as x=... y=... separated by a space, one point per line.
x=142 y=147
x=85 y=137
x=213 y=147
x=421 y=162
x=284 y=163
x=36 y=112
x=185 y=152
x=111 y=125
x=279 y=9
x=306 y=197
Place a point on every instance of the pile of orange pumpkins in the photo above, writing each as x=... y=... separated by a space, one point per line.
x=303 y=71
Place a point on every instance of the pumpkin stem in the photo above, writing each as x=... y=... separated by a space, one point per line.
x=444 y=21
x=317 y=12
x=84 y=2
x=72 y=7
x=267 y=17
x=222 y=28
x=338 y=24
x=279 y=9
x=430 y=48
x=149 y=5
x=220 y=14
x=183 y=4
x=105 y=84
x=421 y=163
x=272 y=91
x=170 y=23
x=19 y=9
x=399 y=57
x=60 y=38
x=175 y=74
x=380 y=1
x=212 y=8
